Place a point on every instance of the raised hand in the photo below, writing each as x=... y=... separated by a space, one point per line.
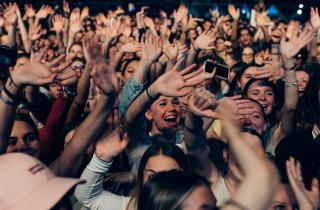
x=214 y=13
x=130 y=47
x=188 y=23
x=58 y=23
x=37 y=72
x=34 y=31
x=262 y=19
x=150 y=24
x=139 y=16
x=44 y=11
x=151 y=48
x=29 y=11
x=104 y=77
x=110 y=145
x=113 y=30
x=272 y=70
x=203 y=103
x=206 y=40
x=307 y=200
x=66 y=8
x=315 y=18
x=84 y=13
x=170 y=50
x=234 y=12
x=180 y=13
x=289 y=48
x=10 y=15
x=75 y=21
x=175 y=83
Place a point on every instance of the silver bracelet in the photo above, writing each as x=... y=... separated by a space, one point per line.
x=291 y=83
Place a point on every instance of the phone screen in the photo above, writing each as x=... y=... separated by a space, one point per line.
x=222 y=71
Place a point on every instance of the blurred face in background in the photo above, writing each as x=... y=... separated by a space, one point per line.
x=24 y=139
x=303 y=80
x=75 y=51
x=247 y=55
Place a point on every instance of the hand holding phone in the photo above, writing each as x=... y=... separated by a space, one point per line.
x=221 y=71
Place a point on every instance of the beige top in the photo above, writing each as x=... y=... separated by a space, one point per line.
x=221 y=192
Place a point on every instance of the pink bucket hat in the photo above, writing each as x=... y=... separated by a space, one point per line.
x=26 y=183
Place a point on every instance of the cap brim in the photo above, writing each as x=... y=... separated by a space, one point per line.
x=46 y=195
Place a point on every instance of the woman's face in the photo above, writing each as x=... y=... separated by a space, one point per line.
x=219 y=45
x=24 y=139
x=246 y=76
x=165 y=115
x=78 y=67
x=75 y=51
x=200 y=199
x=55 y=89
x=264 y=95
x=131 y=68
x=303 y=80
x=158 y=164
x=247 y=55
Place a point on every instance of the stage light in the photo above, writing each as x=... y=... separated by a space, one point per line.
x=300 y=6
x=243 y=11
x=299 y=12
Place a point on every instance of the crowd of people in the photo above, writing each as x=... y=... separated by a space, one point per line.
x=147 y=109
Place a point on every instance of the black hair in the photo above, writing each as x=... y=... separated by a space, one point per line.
x=216 y=149
x=126 y=63
x=27 y=119
x=261 y=82
x=264 y=82
x=255 y=133
x=73 y=44
x=245 y=28
x=158 y=148
x=168 y=190
x=23 y=55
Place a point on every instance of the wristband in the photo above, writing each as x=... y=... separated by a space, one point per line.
x=10 y=95
x=7 y=102
x=17 y=86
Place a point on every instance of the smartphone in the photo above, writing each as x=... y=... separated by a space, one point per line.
x=8 y=57
x=222 y=71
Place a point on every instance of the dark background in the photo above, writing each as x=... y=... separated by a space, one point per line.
x=287 y=8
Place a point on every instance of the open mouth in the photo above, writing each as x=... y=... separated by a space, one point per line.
x=171 y=119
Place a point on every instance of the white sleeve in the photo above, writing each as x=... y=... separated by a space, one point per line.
x=91 y=193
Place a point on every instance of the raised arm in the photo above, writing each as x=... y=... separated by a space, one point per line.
x=32 y=73
x=260 y=180
x=23 y=31
x=11 y=19
x=315 y=23
x=288 y=50
x=69 y=162
x=205 y=41
x=91 y=194
x=201 y=104
x=235 y=14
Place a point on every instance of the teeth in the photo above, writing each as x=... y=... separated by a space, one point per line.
x=170 y=118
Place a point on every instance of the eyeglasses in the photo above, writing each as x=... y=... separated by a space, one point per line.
x=77 y=67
